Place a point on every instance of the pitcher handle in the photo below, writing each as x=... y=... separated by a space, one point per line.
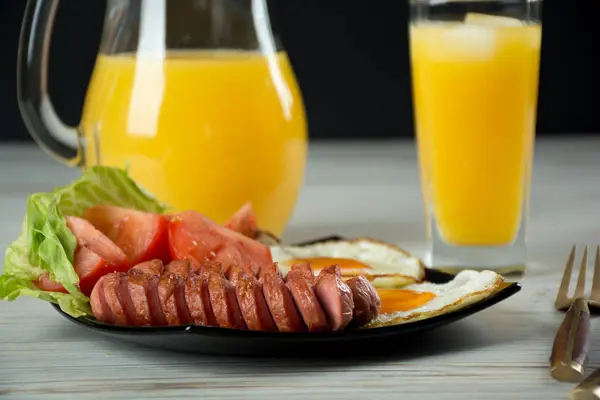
x=44 y=125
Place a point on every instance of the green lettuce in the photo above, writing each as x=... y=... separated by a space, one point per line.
x=46 y=245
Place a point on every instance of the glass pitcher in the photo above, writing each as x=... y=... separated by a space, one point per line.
x=196 y=97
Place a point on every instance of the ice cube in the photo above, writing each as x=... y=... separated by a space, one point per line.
x=491 y=20
x=468 y=41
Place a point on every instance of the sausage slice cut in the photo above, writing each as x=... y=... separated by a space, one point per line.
x=153 y=267
x=306 y=271
x=99 y=304
x=137 y=283
x=180 y=268
x=223 y=300
x=306 y=301
x=367 y=302
x=112 y=299
x=198 y=301
x=166 y=293
x=251 y=300
x=336 y=298
x=281 y=304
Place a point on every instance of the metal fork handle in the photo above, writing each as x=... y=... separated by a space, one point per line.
x=571 y=344
x=589 y=389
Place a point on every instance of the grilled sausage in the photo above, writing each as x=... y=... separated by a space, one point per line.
x=181 y=268
x=306 y=301
x=306 y=271
x=99 y=304
x=268 y=269
x=223 y=300
x=251 y=301
x=198 y=301
x=281 y=305
x=111 y=282
x=153 y=295
x=367 y=302
x=124 y=296
x=336 y=298
x=137 y=287
x=153 y=267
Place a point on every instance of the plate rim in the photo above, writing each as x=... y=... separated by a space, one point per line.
x=509 y=289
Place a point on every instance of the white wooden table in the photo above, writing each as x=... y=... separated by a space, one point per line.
x=351 y=189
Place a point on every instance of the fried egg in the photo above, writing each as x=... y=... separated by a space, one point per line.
x=385 y=265
x=425 y=300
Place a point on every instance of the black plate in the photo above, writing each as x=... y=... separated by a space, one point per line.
x=211 y=340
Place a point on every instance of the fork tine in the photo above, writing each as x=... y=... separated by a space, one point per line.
x=563 y=290
x=596 y=279
x=579 y=289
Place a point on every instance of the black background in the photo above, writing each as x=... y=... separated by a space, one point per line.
x=350 y=58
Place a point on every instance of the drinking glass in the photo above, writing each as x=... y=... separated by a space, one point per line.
x=196 y=97
x=475 y=67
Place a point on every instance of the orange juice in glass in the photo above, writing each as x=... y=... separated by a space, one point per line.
x=197 y=99
x=475 y=79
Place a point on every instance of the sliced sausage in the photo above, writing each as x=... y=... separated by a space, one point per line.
x=198 y=301
x=181 y=268
x=137 y=285
x=333 y=269
x=306 y=301
x=166 y=293
x=126 y=301
x=268 y=269
x=205 y=269
x=183 y=310
x=157 y=315
x=336 y=299
x=306 y=271
x=367 y=302
x=281 y=305
x=223 y=300
x=112 y=299
x=98 y=302
x=153 y=267
x=251 y=300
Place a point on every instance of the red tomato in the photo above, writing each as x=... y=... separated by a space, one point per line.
x=95 y=256
x=244 y=221
x=46 y=284
x=89 y=266
x=195 y=237
x=96 y=241
x=142 y=236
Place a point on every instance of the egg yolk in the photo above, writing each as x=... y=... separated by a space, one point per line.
x=402 y=300
x=318 y=263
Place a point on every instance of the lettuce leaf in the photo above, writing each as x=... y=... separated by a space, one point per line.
x=46 y=245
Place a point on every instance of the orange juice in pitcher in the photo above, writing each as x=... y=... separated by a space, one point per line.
x=206 y=113
x=222 y=132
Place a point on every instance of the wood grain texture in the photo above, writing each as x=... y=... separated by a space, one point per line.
x=351 y=189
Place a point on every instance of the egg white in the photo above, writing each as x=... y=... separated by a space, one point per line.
x=390 y=266
x=466 y=288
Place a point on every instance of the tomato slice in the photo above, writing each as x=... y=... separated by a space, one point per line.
x=46 y=284
x=244 y=221
x=89 y=266
x=95 y=256
x=142 y=236
x=195 y=237
x=88 y=236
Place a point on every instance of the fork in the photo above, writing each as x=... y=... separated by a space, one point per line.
x=572 y=341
